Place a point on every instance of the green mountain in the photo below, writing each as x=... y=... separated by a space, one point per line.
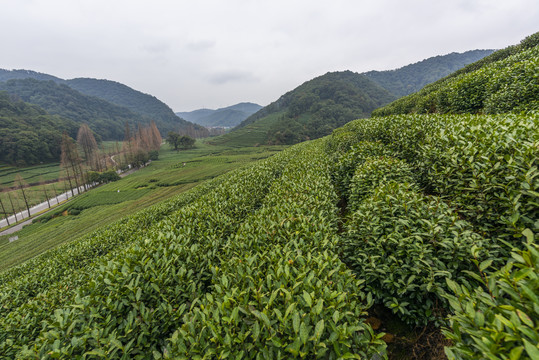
x=318 y=106
x=138 y=102
x=116 y=93
x=505 y=81
x=105 y=119
x=6 y=75
x=229 y=116
x=411 y=78
x=311 y=110
x=28 y=134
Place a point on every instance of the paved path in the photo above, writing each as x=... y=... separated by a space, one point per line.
x=34 y=210
x=43 y=206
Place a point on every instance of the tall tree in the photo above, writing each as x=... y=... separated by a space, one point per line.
x=12 y=207
x=86 y=140
x=44 y=188
x=70 y=160
x=4 y=209
x=155 y=136
x=21 y=184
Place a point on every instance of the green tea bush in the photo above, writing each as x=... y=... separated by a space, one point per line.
x=486 y=166
x=374 y=172
x=404 y=245
x=343 y=170
x=500 y=319
x=279 y=304
x=31 y=292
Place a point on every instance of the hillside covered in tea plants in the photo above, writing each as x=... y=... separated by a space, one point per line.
x=504 y=81
x=286 y=257
x=428 y=221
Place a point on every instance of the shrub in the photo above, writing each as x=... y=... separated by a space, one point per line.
x=344 y=168
x=500 y=319
x=374 y=172
x=404 y=245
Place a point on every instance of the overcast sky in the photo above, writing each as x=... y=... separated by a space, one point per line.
x=202 y=53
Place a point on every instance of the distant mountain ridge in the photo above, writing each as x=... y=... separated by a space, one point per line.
x=412 y=78
x=503 y=82
x=229 y=116
x=119 y=94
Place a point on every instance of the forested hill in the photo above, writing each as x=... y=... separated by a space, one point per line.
x=315 y=108
x=105 y=119
x=6 y=75
x=121 y=95
x=138 y=102
x=28 y=135
x=505 y=81
x=229 y=116
x=411 y=78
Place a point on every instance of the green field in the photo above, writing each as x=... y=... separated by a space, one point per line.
x=251 y=135
x=31 y=174
x=158 y=181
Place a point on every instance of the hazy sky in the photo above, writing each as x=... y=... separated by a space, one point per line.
x=201 y=53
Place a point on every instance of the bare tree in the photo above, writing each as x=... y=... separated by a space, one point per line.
x=12 y=207
x=155 y=136
x=4 y=209
x=45 y=191
x=19 y=181
x=86 y=140
x=70 y=160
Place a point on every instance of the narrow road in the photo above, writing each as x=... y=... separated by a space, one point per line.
x=44 y=206
x=34 y=210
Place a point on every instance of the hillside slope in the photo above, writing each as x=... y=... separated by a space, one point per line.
x=411 y=78
x=229 y=116
x=138 y=102
x=121 y=95
x=312 y=110
x=28 y=135
x=505 y=81
x=105 y=119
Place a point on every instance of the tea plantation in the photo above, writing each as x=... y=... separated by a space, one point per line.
x=433 y=218
x=284 y=259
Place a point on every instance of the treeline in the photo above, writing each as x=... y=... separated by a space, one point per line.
x=28 y=135
x=506 y=81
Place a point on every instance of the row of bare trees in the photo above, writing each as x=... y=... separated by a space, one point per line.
x=137 y=149
x=10 y=198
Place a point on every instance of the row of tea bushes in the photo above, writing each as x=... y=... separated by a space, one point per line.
x=280 y=291
x=125 y=304
x=405 y=245
x=485 y=166
x=466 y=190
x=56 y=267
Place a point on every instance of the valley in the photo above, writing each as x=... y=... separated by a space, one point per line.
x=341 y=221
